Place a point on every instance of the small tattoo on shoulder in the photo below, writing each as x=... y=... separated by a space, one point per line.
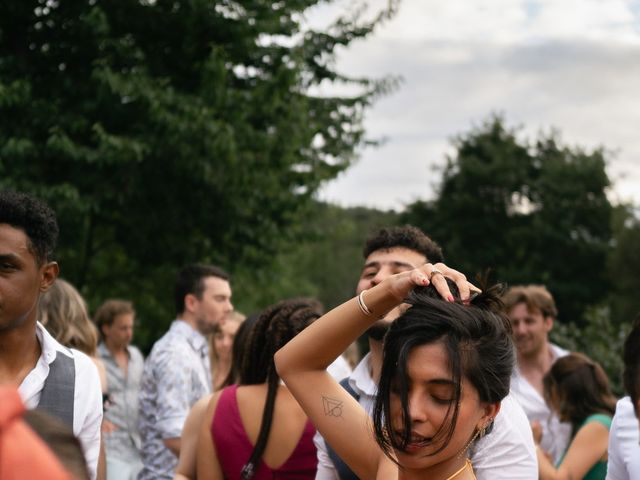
x=332 y=407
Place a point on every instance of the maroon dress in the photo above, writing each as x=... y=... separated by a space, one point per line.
x=234 y=448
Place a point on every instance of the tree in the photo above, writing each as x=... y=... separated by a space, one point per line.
x=532 y=212
x=325 y=265
x=624 y=265
x=171 y=131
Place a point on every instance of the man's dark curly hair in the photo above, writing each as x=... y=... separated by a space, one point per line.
x=35 y=218
x=406 y=236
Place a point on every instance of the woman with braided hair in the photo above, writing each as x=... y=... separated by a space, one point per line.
x=256 y=429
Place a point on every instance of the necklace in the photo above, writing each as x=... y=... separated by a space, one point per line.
x=467 y=463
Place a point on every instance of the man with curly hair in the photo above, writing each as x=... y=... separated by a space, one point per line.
x=508 y=453
x=57 y=380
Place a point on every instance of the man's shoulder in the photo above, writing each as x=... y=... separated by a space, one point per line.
x=86 y=369
x=558 y=351
x=168 y=343
x=135 y=352
x=508 y=451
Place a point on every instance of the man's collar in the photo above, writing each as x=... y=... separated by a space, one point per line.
x=194 y=337
x=49 y=345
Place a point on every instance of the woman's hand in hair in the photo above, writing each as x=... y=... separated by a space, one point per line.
x=401 y=284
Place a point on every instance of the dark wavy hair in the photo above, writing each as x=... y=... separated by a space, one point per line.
x=272 y=330
x=35 y=218
x=406 y=236
x=631 y=358
x=478 y=341
x=579 y=387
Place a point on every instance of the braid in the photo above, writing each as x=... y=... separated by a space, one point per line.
x=274 y=328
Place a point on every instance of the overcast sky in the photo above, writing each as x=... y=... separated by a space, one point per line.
x=569 y=64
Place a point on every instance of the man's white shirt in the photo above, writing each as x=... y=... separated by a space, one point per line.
x=507 y=453
x=87 y=400
x=624 y=448
x=555 y=434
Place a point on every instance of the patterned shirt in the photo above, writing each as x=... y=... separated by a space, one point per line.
x=124 y=389
x=176 y=375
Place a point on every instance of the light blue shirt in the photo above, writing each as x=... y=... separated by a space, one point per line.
x=122 y=410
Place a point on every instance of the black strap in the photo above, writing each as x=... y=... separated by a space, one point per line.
x=59 y=388
x=344 y=472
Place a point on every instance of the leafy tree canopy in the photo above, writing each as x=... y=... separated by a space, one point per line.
x=532 y=212
x=165 y=132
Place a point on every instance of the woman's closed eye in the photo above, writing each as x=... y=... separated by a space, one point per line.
x=443 y=400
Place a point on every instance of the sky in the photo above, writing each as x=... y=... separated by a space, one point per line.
x=572 y=65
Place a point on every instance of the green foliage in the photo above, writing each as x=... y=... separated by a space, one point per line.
x=624 y=265
x=325 y=264
x=532 y=212
x=166 y=132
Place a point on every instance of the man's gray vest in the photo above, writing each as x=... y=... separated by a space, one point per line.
x=59 y=388
x=344 y=472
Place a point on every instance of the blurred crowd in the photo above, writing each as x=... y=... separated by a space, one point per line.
x=458 y=381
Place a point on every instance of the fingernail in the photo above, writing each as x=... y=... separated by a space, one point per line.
x=450 y=298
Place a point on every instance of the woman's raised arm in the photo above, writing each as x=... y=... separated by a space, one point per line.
x=303 y=361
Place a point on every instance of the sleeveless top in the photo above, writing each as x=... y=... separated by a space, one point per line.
x=234 y=448
x=599 y=470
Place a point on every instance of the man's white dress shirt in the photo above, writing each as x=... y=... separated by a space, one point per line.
x=87 y=400
x=624 y=443
x=555 y=434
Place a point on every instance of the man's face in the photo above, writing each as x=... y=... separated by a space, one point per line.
x=382 y=264
x=214 y=305
x=120 y=332
x=530 y=329
x=21 y=279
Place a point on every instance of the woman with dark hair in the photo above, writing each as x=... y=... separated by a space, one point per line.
x=255 y=429
x=577 y=388
x=446 y=367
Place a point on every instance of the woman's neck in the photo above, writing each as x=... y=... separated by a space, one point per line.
x=452 y=469
x=220 y=373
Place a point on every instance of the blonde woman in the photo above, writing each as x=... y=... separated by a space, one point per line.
x=220 y=344
x=63 y=312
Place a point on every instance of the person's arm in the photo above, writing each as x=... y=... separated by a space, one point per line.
x=587 y=448
x=186 y=468
x=208 y=465
x=623 y=462
x=303 y=361
x=87 y=407
x=102 y=463
x=174 y=400
x=173 y=444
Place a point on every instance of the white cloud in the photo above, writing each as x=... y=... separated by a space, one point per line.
x=570 y=64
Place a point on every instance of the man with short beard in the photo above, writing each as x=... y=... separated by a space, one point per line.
x=508 y=453
x=177 y=372
x=532 y=311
